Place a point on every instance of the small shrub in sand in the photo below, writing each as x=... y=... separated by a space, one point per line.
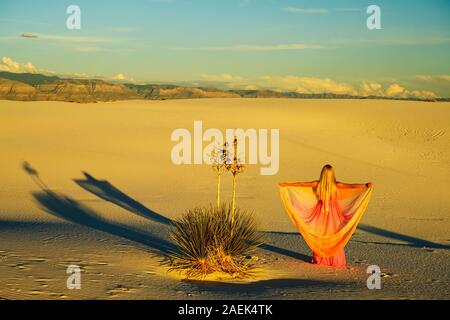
x=213 y=240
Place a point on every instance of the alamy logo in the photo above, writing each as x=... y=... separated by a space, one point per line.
x=74 y=278
x=374 y=279
x=374 y=20
x=73 y=21
x=253 y=146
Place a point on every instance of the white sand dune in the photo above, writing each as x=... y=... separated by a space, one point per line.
x=120 y=209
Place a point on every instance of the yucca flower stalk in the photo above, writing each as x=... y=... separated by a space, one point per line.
x=218 y=158
x=235 y=168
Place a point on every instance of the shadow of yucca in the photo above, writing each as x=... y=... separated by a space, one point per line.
x=106 y=191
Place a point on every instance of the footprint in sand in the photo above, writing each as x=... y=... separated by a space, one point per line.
x=359 y=261
x=3 y=254
x=36 y=260
x=21 y=266
x=71 y=260
x=117 y=290
x=388 y=275
x=43 y=283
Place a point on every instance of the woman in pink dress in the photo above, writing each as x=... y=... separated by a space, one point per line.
x=326 y=213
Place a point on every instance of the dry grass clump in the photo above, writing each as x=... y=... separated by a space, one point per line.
x=210 y=240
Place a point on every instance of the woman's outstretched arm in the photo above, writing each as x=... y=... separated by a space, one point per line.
x=353 y=185
x=299 y=184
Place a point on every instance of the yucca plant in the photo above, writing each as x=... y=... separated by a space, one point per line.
x=206 y=243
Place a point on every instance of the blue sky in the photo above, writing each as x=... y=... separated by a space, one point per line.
x=307 y=46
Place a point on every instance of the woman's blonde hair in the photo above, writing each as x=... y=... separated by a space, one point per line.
x=326 y=188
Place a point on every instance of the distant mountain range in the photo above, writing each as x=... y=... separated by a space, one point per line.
x=39 y=87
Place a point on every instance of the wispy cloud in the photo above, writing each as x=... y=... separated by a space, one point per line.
x=382 y=41
x=428 y=78
x=28 y=35
x=88 y=49
x=279 y=47
x=318 y=10
x=423 y=77
x=305 y=10
x=347 y=9
x=61 y=38
x=18 y=21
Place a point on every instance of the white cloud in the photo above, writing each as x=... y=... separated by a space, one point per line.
x=422 y=94
x=443 y=77
x=371 y=89
x=8 y=64
x=122 y=78
x=308 y=85
x=13 y=66
x=282 y=83
x=397 y=91
x=119 y=76
x=251 y=87
x=312 y=85
x=222 y=78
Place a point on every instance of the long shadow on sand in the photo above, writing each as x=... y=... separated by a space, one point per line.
x=71 y=210
x=411 y=241
x=107 y=191
x=262 y=285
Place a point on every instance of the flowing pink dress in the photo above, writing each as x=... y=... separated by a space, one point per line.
x=326 y=231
